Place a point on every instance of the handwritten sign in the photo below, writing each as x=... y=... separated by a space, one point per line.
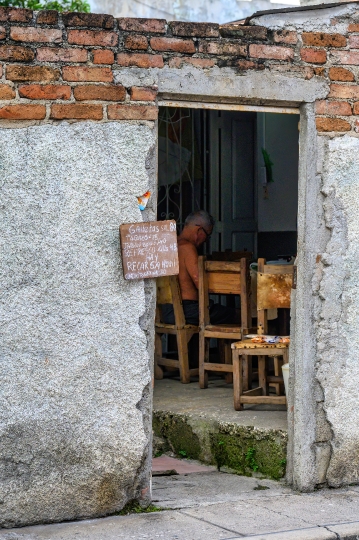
x=149 y=250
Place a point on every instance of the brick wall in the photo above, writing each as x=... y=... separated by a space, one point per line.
x=56 y=67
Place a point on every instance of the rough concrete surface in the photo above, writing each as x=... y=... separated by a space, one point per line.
x=219 y=84
x=214 y=505
x=338 y=343
x=75 y=395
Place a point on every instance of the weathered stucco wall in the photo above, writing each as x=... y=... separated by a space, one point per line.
x=75 y=369
x=337 y=363
x=77 y=339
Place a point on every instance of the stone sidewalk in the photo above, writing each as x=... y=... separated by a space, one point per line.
x=200 y=503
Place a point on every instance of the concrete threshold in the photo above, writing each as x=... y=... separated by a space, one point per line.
x=202 y=425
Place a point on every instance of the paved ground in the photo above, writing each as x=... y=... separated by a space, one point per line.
x=210 y=505
x=215 y=403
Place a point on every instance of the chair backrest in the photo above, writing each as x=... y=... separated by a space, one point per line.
x=168 y=292
x=231 y=255
x=274 y=284
x=223 y=277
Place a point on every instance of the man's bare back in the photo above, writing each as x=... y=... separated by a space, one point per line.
x=188 y=269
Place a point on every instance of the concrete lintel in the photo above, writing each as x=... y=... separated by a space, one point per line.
x=226 y=84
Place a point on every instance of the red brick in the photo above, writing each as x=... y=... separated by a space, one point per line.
x=49 y=91
x=23 y=112
x=356 y=107
x=332 y=124
x=285 y=36
x=31 y=73
x=313 y=56
x=89 y=20
x=141 y=93
x=241 y=31
x=337 y=108
x=48 y=16
x=190 y=29
x=248 y=64
x=1 y=70
x=340 y=74
x=2 y=32
x=172 y=44
x=179 y=61
x=140 y=60
x=100 y=93
x=91 y=74
x=6 y=92
x=219 y=48
x=132 y=112
x=103 y=57
x=319 y=39
x=152 y=26
x=19 y=33
x=344 y=91
x=76 y=111
x=100 y=38
x=354 y=42
x=356 y=126
x=353 y=27
x=15 y=15
x=13 y=53
x=52 y=54
x=271 y=51
x=136 y=42
x=306 y=72
x=345 y=57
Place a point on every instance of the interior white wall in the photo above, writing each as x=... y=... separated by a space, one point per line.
x=279 y=135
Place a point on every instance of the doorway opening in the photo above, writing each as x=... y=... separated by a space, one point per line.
x=242 y=168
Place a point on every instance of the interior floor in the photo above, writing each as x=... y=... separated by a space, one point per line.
x=215 y=403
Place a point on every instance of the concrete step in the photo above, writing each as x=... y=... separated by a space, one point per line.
x=202 y=425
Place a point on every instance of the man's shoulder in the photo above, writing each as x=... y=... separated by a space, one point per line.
x=186 y=246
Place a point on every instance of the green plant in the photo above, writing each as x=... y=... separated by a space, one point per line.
x=133 y=507
x=283 y=462
x=251 y=459
x=59 y=5
x=182 y=453
x=268 y=165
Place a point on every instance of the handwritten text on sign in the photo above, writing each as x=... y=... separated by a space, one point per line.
x=149 y=249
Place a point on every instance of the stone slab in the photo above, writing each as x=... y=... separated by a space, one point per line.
x=155 y=526
x=319 y=508
x=247 y=518
x=181 y=466
x=314 y=533
x=204 y=489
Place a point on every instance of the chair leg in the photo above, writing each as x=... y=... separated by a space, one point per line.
x=203 y=357
x=182 y=345
x=228 y=360
x=262 y=375
x=247 y=373
x=158 y=371
x=276 y=373
x=237 y=360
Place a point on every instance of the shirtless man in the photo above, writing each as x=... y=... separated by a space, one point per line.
x=197 y=229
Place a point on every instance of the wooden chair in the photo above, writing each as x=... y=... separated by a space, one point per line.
x=273 y=291
x=231 y=255
x=220 y=277
x=168 y=292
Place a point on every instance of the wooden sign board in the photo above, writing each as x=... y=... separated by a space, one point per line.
x=149 y=250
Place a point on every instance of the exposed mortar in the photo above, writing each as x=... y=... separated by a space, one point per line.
x=245 y=449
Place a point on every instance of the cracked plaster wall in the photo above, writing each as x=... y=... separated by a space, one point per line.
x=75 y=366
x=337 y=321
